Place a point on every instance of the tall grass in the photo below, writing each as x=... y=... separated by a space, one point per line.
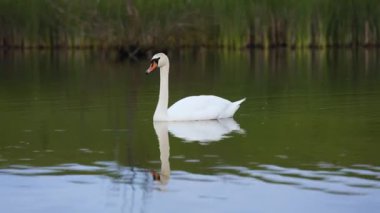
x=145 y=24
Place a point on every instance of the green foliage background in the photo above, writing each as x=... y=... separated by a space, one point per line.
x=167 y=23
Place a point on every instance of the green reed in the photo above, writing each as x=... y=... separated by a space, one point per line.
x=188 y=23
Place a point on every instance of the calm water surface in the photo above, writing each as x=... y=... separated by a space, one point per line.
x=76 y=134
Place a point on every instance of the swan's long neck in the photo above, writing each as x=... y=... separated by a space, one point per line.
x=161 y=113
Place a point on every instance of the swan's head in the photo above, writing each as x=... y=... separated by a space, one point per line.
x=158 y=60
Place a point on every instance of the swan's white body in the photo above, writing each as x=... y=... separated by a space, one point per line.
x=203 y=107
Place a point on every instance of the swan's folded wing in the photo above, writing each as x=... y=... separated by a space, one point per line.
x=231 y=109
x=202 y=107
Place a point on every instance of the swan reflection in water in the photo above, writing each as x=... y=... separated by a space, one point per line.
x=201 y=131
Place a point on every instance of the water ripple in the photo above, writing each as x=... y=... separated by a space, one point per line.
x=332 y=179
x=118 y=174
x=356 y=180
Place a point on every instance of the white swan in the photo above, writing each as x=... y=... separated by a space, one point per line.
x=203 y=107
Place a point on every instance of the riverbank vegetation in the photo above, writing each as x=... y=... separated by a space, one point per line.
x=140 y=25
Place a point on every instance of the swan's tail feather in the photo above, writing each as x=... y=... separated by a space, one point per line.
x=239 y=102
x=231 y=109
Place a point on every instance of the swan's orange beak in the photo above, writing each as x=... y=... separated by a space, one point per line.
x=152 y=67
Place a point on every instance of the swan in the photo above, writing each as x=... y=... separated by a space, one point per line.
x=192 y=108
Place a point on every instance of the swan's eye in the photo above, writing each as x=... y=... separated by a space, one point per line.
x=155 y=60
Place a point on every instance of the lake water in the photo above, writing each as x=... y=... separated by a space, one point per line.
x=76 y=134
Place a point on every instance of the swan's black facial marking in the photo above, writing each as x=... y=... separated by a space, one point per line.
x=153 y=65
x=155 y=60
